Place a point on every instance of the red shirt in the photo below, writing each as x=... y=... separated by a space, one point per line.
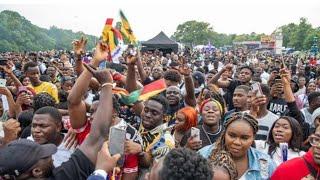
x=296 y=168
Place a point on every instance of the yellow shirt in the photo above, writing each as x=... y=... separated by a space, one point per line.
x=48 y=88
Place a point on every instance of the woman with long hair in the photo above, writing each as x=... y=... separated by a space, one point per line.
x=285 y=130
x=237 y=139
x=185 y=119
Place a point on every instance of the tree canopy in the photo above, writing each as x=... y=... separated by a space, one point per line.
x=299 y=36
x=19 y=34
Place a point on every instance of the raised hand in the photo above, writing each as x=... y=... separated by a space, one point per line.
x=184 y=68
x=285 y=76
x=103 y=76
x=101 y=53
x=79 y=46
x=5 y=91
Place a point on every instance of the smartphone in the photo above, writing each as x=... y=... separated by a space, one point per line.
x=195 y=132
x=3 y=82
x=278 y=81
x=117 y=139
x=256 y=87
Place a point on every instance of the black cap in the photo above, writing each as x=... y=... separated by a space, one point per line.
x=20 y=155
x=199 y=77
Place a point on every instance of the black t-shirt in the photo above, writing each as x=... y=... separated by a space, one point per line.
x=77 y=167
x=278 y=106
x=170 y=116
x=229 y=94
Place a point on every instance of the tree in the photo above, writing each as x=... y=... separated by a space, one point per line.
x=193 y=33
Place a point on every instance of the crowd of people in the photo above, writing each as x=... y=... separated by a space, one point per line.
x=236 y=114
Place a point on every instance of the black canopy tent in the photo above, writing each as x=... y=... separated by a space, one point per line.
x=161 y=42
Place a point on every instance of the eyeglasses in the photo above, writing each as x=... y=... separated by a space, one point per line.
x=314 y=140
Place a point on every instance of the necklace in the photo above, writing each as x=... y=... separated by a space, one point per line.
x=212 y=134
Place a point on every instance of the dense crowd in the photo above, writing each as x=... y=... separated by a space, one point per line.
x=235 y=114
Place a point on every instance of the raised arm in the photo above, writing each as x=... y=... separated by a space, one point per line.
x=79 y=50
x=76 y=105
x=215 y=78
x=142 y=74
x=190 y=97
x=289 y=97
x=102 y=120
x=8 y=69
x=131 y=83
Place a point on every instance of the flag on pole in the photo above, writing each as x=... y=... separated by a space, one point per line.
x=113 y=38
x=126 y=28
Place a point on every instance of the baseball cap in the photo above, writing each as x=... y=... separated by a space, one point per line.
x=198 y=76
x=20 y=155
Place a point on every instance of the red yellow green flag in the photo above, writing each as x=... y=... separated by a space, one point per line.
x=126 y=28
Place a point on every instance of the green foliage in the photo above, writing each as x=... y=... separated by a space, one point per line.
x=18 y=34
x=196 y=33
x=299 y=36
x=193 y=32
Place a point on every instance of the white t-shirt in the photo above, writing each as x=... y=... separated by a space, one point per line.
x=265 y=124
x=301 y=91
x=277 y=157
x=62 y=154
x=307 y=116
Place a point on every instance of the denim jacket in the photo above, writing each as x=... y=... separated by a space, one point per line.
x=261 y=166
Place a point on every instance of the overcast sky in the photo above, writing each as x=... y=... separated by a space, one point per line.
x=149 y=17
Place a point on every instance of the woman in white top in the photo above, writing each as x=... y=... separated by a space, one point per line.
x=284 y=130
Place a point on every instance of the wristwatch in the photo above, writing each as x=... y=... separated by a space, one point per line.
x=101 y=173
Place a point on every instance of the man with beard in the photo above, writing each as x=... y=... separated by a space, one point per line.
x=245 y=76
x=32 y=71
x=305 y=167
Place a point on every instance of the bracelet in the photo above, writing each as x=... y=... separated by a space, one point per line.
x=107 y=84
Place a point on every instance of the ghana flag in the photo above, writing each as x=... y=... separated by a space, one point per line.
x=113 y=38
x=143 y=94
x=126 y=28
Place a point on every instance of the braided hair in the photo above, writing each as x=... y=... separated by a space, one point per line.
x=223 y=160
x=238 y=116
